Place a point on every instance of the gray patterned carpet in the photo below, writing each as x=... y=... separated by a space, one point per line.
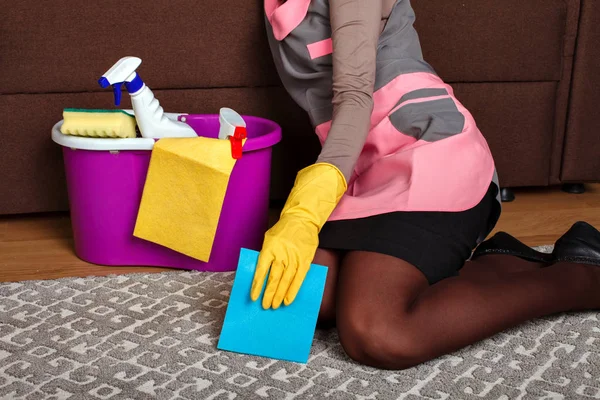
x=154 y=337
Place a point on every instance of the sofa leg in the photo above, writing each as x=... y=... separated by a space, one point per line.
x=574 y=188
x=507 y=195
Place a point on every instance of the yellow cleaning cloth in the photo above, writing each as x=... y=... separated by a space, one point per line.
x=183 y=195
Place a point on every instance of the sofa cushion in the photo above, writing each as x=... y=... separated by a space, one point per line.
x=581 y=158
x=65 y=46
x=491 y=41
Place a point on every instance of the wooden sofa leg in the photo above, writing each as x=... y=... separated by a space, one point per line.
x=574 y=188
x=507 y=195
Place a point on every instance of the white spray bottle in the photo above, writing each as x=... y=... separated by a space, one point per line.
x=151 y=120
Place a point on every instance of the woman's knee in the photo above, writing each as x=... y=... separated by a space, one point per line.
x=377 y=341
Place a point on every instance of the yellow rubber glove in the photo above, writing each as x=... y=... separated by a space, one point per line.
x=290 y=245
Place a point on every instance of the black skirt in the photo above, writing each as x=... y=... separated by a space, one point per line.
x=437 y=243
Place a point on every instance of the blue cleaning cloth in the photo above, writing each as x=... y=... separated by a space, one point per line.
x=284 y=334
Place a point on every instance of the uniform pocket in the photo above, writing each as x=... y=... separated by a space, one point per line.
x=426 y=119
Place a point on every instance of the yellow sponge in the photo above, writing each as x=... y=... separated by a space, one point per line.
x=98 y=123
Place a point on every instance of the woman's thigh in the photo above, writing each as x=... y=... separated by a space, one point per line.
x=375 y=293
x=372 y=284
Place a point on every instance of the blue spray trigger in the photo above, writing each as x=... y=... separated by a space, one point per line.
x=117 y=92
x=132 y=86
x=104 y=83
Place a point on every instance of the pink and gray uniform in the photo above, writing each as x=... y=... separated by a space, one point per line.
x=384 y=117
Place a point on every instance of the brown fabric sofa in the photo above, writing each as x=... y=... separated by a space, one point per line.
x=510 y=62
x=582 y=140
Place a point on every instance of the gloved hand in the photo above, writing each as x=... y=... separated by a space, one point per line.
x=290 y=245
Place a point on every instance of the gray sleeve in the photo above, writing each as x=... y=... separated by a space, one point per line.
x=355 y=26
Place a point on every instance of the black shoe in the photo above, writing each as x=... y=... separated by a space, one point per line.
x=581 y=244
x=503 y=243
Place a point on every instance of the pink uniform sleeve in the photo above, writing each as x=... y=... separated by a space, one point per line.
x=355 y=26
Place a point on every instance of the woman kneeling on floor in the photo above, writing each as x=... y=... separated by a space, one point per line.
x=404 y=189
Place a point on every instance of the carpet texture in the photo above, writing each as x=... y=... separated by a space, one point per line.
x=154 y=336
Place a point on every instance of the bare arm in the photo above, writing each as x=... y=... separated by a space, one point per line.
x=355 y=25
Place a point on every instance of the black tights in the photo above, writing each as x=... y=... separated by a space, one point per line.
x=388 y=316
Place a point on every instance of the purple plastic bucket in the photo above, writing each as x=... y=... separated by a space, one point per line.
x=105 y=188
